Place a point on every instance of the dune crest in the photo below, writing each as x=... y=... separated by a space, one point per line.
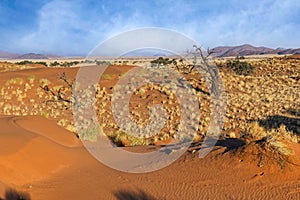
x=49 y=129
x=33 y=148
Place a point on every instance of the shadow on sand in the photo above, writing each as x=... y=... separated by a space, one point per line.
x=228 y=143
x=12 y=194
x=275 y=121
x=132 y=195
x=231 y=143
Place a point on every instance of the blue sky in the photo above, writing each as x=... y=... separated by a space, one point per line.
x=75 y=27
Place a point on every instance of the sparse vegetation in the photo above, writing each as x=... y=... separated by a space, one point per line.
x=44 y=81
x=254 y=97
x=102 y=62
x=91 y=133
x=28 y=62
x=274 y=141
x=44 y=114
x=255 y=132
x=16 y=80
x=163 y=61
x=64 y=64
x=31 y=78
x=55 y=63
x=239 y=67
x=106 y=76
x=121 y=138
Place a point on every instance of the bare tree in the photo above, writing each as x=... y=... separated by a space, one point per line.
x=60 y=95
x=202 y=62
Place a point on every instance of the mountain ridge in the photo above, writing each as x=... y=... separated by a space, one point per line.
x=8 y=55
x=247 y=49
x=219 y=51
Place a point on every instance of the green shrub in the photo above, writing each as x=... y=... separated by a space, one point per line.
x=27 y=62
x=55 y=63
x=240 y=67
x=42 y=63
x=102 y=62
x=24 y=62
x=163 y=61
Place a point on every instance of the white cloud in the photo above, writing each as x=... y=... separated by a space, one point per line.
x=75 y=27
x=58 y=28
x=154 y=38
x=261 y=23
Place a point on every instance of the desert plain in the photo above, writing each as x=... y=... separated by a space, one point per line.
x=257 y=155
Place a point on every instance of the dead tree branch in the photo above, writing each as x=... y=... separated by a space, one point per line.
x=64 y=78
x=59 y=96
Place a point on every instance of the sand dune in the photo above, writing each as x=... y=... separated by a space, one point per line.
x=48 y=162
x=48 y=129
x=33 y=148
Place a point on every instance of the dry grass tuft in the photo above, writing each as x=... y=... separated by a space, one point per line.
x=121 y=138
x=274 y=140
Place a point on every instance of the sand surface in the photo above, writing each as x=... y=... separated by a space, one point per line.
x=47 y=162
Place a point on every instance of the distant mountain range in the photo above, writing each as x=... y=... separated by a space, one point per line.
x=221 y=51
x=246 y=50
x=6 y=55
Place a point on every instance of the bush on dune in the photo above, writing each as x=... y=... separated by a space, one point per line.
x=274 y=140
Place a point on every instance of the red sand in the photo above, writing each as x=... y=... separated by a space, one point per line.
x=48 y=162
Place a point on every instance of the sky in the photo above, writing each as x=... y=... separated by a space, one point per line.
x=75 y=27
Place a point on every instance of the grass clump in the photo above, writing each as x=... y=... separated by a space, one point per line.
x=16 y=80
x=106 y=76
x=120 y=138
x=44 y=81
x=239 y=67
x=274 y=140
x=31 y=78
x=91 y=133
x=44 y=114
